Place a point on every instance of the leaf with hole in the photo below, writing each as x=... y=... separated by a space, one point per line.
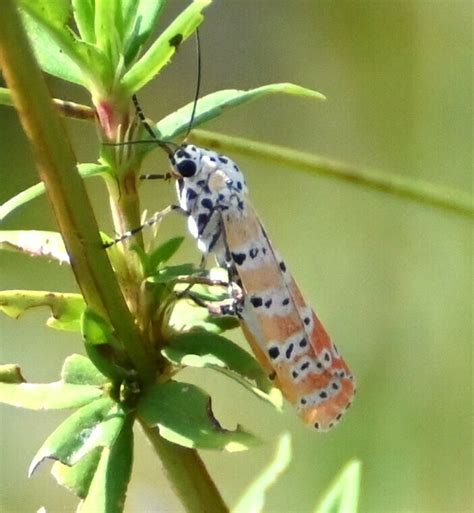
x=66 y=308
x=11 y=373
x=78 y=477
x=95 y=425
x=182 y=413
x=107 y=491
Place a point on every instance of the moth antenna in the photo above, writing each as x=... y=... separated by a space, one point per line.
x=165 y=145
x=198 y=83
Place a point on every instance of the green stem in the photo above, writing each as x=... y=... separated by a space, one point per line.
x=188 y=475
x=416 y=190
x=57 y=168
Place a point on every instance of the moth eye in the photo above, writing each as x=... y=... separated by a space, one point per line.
x=186 y=168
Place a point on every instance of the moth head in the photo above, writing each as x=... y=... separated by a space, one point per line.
x=186 y=161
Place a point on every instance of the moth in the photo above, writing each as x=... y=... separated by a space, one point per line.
x=284 y=333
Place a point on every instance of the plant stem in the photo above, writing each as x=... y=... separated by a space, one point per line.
x=188 y=475
x=57 y=168
x=416 y=190
x=65 y=108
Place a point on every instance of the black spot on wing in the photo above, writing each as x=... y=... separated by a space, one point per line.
x=283 y=266
x=268 y=303
x=253 y=252
x=256 y=301
x=274 y=352
x=202 y=221
x=191 y=194
x=207 y=203
x=289 y=350
x=223 y=159
x=239 y=258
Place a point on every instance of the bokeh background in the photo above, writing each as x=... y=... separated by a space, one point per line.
x=391 y=279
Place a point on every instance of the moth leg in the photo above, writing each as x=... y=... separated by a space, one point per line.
x=149 y=222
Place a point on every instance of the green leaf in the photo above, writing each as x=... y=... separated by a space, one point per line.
x=214 y=104
x=95 y=425
x=140 y=18
x=84 y=12
x=182 y=413
x=108 y=29
x=161 y=51
x=101 y=345
x=11 y=373
x=49 y=396
x=79 y=370
x=78 y=478
x=96 y=330
x=55 y=48
x=164 y=252
x=253 y=500
x=107 y=491
x=35 y=243
x=343 y=495
x=66 y=308
x=55 y=12
x=172 y=272
x=24 y=197
x=185 y=315
x=203 y=349
x=98 y=340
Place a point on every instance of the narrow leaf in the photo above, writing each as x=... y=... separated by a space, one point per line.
x=203 y=349
x=79 y=370
x=24 y=197
x=35 y=243
x=185 y=315
x=214 y=104
x=95 y=425
x=253 y=500
x=161 y=51
x=171 y=272
x=343 y=495
x=108 y=489
x=140 y=24
x=96 y=330
x=66 y=308
x=99 y=339
x=50 y=396
x=183 y=415
x=164 y=252
x=78 y=478
x=84 y=11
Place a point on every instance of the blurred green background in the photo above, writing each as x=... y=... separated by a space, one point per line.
x=390 y=279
